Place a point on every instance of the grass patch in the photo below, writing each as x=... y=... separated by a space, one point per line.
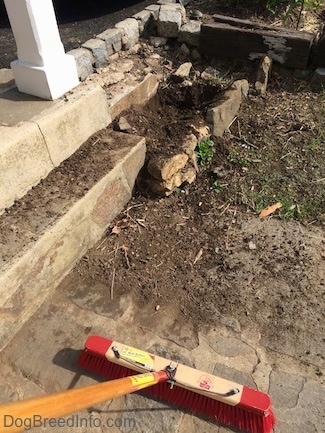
x=290 y=171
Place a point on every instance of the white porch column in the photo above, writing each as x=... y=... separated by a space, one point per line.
x=42 y=69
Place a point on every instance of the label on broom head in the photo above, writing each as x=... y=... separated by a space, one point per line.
x=137 y=356
x=205 y=382
x=141 y=380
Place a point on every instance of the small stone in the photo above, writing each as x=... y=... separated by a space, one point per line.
x=157 y=307
x=113 y=78
x=195 y=55
x=195 y=14
x=209 y=73
x=182 y=72
x=251 y=245
x=147 y=70
x=157 y=41
x=134 y=49
x=184 y=49
x=200 y=132
x=124 y=125
x=155 y=56
x=263 y=74
x=186 y=83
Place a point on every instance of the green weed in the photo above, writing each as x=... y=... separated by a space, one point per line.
x=204 y=151
x=217 y=186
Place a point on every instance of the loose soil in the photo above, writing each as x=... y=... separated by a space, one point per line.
x=203 y=250
x=206 y=252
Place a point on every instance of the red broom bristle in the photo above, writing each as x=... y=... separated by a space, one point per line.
x=244 y=416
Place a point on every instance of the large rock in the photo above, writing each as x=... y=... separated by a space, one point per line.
x=170 y=172
x=220 y=117
x=131 y=35
x=162 y=168
x=263 y=74
x=167 y=187
x=170 y=20
x=98 y=50
x=84 y=61
x=145 y=19
x=113 y=40
x=190 y=33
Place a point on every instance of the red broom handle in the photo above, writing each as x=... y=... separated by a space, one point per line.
x=37 y=411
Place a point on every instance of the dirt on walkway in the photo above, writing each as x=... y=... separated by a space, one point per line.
x=204 y=250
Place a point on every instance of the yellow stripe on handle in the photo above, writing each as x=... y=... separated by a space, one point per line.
x=61 y=404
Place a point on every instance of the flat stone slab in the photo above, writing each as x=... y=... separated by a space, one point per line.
x=50 y=229
x=16 y=107
x=42 y=358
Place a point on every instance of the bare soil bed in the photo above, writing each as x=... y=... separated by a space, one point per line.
x=204 y=250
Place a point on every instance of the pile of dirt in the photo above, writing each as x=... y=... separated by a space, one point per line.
x=204 y=250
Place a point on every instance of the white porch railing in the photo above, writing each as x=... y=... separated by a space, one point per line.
x=42 y=69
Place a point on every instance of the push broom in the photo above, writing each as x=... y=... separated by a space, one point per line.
x=213 y=397
x=210 y=396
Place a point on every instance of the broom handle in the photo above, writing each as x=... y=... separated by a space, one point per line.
x=37 y=411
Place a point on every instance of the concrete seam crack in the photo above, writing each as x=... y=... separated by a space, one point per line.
x=44 y=139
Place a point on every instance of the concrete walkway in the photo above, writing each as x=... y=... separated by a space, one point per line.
x=42 y=358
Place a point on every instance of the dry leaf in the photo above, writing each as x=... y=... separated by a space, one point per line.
x=116 y=230
x=270 y=209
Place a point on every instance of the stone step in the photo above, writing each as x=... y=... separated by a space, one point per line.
x=52 y=209
x=36 y=135
x=47 y=231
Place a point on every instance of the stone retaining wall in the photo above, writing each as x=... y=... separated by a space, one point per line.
x=157 y=23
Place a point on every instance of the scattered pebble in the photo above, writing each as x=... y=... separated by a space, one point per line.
x=251 y=245
x=195 y=14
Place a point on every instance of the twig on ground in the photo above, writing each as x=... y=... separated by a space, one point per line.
x=225 y=210
x=198 y=256
x=138 y=221
x=125 y=250
x=95 y=142
x=112 y=284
